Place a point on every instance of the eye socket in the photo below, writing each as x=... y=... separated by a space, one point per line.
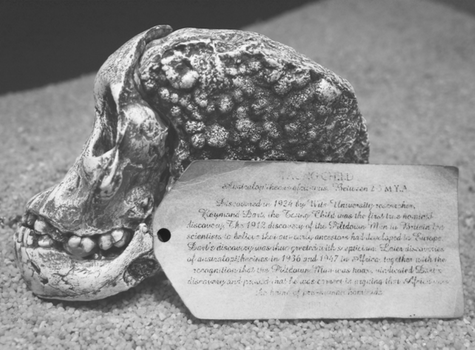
x=108 y=126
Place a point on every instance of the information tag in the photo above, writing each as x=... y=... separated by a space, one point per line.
x=260 y=240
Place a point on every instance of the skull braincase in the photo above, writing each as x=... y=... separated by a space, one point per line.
x=161 y=101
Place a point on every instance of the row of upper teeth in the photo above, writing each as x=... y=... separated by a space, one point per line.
x=42 y=234
x=84 y=246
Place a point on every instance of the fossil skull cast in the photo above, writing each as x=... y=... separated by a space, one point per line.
x=163 y=100
x=87 y=238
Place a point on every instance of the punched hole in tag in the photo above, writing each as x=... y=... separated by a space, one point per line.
x=164 y=235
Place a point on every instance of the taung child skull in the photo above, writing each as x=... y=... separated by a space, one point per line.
x=163 y=100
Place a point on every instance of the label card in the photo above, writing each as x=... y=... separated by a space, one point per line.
x=259 y=240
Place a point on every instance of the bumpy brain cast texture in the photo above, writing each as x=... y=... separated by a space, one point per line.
x=163 y=100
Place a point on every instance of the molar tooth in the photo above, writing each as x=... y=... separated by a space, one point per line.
x=80 y=246
x=105 y=241
x=42 y=226
x=45 y=241
x=120 y=237
x=74 y=241
x=117 y=235
x=87 y=244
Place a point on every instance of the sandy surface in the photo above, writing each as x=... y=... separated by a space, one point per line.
x=412 y=64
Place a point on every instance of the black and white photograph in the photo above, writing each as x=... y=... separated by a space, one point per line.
x=237 y=174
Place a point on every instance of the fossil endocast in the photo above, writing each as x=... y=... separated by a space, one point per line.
x=163 y=100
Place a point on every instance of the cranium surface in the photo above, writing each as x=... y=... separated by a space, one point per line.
x=161 y=101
